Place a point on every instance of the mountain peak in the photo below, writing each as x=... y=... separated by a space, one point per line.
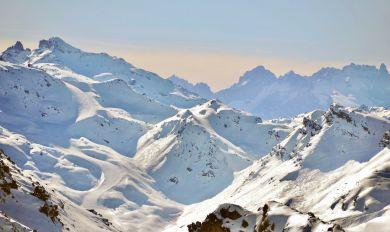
x=259 y=68
x=290 y=74
x=202 y=85
x=15 y=54
x=175 y=78
x=256 y=73
x=18 y=46
x=383 y=69
x=54 y=43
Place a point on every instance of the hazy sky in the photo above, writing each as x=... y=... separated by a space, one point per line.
x=210 y=41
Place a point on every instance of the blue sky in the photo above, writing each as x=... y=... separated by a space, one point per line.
x=210 y=41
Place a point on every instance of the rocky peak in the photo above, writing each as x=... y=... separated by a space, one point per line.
x=352 y=67
x=383 y=69
x=55 y=43
x=18 y=46
x=15 y=54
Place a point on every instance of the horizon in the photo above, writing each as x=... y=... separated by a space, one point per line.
x=214 y=43
x=278 y=75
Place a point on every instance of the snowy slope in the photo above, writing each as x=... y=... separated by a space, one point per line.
x=335 y=164
x=77 y=134
x=37 y=104
x=54 y=53
x=79 y=141
x=28 y=205
x=93 y=176
x=203 y=147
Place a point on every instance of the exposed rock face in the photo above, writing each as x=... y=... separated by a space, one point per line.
x=277 y=217
x=383 y=69
x=18 y=46
x=211 y=224
x=7 y=182
x=338 y=111
x=15 y=54
x=385 y=141
x=311 y=124
x=215 y=222
x=229 y=217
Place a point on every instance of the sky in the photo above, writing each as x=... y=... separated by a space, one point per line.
x=210 y=41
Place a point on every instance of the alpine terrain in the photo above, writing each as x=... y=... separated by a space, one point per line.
x=89 y=142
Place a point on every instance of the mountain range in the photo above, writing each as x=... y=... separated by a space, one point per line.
x=261 y=92
x=90 y=142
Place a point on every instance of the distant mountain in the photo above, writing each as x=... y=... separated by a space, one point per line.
x=201 y=88
x=261 y=92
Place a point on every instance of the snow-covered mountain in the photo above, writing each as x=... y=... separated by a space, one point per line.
x=201 y=88
x=64 y=61
x=335 y=165
x=262 y=93
x=89 y=142
x=202 y=147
